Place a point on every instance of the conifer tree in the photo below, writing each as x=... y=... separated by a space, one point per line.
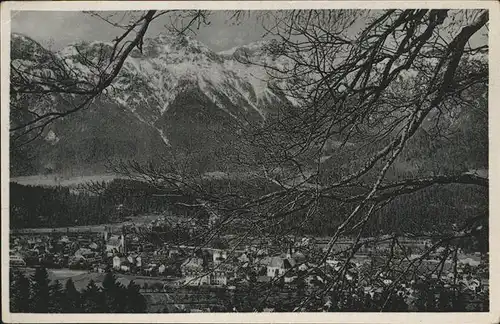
x=19 y=293
x=72 y=300
x=458 y=301
x=114 y=294
x=40 y=291
x=135 y=301
x=93 y=300
x=56 y=300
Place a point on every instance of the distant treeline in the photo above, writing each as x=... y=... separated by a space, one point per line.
x=37 y=206
x=434 y=209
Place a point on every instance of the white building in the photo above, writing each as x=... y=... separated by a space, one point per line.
x=119 y=261
x=192 y=270
x=219 y=256
x=219 y=278
x=277 y=266
x=115 y=244
x=125 y=267
x=197 y=279
x=195 y=275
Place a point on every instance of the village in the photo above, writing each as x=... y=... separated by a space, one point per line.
x=166 y=266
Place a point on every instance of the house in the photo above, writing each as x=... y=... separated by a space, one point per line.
x=335 y=264
x=173 y=252
x=290 y=276
x=116 y=244
x=116 y=262
x=219 y=277
x=119 y=261
x=193 y=264
x=219 y=256
x=125 y=266
x=244 y=258
x=277 y=266
x=138 y=261
x=150 y=269
x=92 y=259
x=262 y=252
x=305 y=241
x=102 y=268
x=31 y=243
x=64 y=239
x=222 y=274
x=131 y=259
x=192 y=270
x=299 y=257
x=16 y=261
x=197 y=279
x=84 y=253
x=315 y=276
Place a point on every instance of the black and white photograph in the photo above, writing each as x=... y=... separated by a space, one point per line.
x=295 y=160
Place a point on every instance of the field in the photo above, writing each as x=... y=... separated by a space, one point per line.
x=135 y=221
x=58 y=274
x=81 y=278
x=52 y=180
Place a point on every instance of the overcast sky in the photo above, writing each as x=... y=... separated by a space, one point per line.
x=57 y=29
x=60 y=28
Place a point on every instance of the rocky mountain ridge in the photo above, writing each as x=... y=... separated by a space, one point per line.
x=174 y=91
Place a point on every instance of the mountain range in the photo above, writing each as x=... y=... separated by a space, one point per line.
x=177 y=95
x=174 y=94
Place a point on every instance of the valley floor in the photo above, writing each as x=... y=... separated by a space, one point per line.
x=51 y=180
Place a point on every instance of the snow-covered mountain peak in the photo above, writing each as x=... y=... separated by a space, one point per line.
x=179 y=41
x=175 y=49
x=258 y=47
x=172 y=66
